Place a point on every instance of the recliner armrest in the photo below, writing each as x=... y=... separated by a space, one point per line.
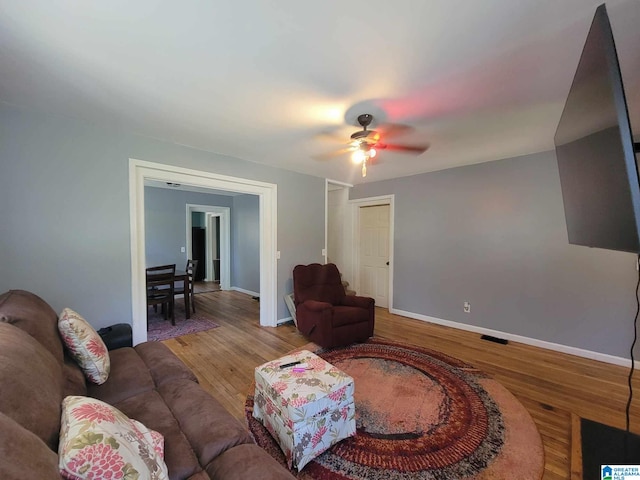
x=356 y=301
x=315 y=306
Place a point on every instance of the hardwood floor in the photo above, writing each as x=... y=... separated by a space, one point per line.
x=552 y=386
x=206 y=287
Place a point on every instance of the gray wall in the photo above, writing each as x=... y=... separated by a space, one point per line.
x=245 y=238
x=494 y=234
x=165 y=217
x=65 y=211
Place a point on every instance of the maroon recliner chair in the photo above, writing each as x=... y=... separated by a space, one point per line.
x=324 y=313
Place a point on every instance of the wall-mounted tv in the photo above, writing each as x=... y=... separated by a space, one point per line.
x=596 y=152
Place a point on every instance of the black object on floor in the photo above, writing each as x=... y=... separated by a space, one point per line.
x=604 y=445
x=116 y=336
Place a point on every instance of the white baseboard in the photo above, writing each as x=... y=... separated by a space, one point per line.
x=248 y=292
x=279 y=322
x=602 y=357
x=285 y=320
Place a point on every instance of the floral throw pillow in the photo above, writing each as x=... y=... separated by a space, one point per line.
x=98 y=441
x=85 y=346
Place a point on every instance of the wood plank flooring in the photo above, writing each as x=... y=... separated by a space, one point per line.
x=551 y=385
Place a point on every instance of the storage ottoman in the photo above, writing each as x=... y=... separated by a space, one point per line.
x=306 y=411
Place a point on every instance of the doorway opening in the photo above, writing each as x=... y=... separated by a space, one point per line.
x=217 y=225
x=139 y=171
x=336 y=239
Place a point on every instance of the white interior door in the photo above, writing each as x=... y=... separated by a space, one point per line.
x=374 y=253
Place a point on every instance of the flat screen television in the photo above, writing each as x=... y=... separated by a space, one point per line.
x=596 y=152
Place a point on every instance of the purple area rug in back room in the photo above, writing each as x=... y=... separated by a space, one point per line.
x=161 y=329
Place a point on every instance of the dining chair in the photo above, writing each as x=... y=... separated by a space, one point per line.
x=190 y=269
x=160 y=289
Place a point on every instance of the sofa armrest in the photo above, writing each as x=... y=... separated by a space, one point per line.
x=361 y=302
x=163 y=364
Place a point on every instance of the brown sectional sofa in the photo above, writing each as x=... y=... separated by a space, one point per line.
x=147 y=383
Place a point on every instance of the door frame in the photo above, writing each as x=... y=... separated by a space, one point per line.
x=355 y=235
x=139 y=171
x=225 y=240
x=213 y=229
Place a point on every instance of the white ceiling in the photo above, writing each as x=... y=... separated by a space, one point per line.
x=262 y=80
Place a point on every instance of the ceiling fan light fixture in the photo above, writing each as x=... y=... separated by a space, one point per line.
x=364 y=144
x=358 y=156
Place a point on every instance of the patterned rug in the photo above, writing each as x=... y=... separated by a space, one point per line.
x=421 y=414
x=160 y=329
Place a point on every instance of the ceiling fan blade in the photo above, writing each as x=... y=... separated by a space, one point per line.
x=412 y=149
x=330 y=136
x=394 y=129
x=330 y=155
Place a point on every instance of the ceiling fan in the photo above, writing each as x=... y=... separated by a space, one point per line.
x=364 y=144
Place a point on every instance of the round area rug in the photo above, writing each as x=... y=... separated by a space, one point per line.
x=421 y=414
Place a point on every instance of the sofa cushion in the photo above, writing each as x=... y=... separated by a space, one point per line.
x=84 y=345
x=74 y=382
x=32 y=314
x=24 y=454
x=31 y=383
x=349 y=315
x=195 y=426
x=150 y=409
x=204 y=421
x=129 y=377
x=96 y=439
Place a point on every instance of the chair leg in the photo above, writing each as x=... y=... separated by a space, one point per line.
x=173 y=317
x=193 y=303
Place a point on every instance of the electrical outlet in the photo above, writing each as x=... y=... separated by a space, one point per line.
x=183 y=249
x=324 y=252
x=278 y=255
x=466 y=306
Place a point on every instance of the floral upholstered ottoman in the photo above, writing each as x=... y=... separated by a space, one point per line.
x=306 y=407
